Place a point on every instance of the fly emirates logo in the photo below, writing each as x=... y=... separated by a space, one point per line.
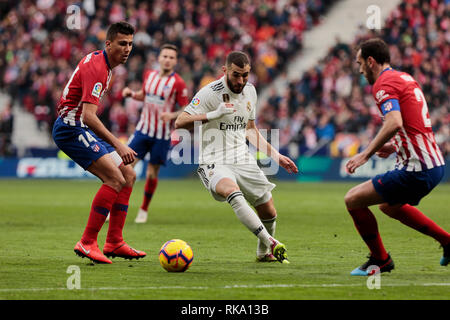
x=238 y=124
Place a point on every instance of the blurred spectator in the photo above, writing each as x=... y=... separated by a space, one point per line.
x=325 y=128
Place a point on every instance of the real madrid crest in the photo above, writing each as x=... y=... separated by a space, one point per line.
x=249 y=106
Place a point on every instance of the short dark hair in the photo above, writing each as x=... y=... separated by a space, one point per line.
x=119 y=27
x=238 y=58
x=377 y=49
x=169 y=46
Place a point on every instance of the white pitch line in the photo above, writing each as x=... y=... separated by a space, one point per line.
x=237 y=286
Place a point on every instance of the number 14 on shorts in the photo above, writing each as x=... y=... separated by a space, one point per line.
x=87 y=140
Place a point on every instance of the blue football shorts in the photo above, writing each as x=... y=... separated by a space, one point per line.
x=79 y=143
x=401 y=186
x=142 y=144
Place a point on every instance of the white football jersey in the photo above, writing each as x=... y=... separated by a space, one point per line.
x=222 y=141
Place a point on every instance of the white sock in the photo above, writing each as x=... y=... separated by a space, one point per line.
x=248 y=217
x=270 y=225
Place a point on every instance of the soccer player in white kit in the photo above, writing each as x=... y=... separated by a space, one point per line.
x=227 y=110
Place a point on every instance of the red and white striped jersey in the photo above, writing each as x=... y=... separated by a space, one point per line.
x=88 y=83
x=161 y=95
x=415 y=144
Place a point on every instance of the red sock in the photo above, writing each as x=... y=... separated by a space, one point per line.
x=100 y=208
x=367 y=226
x=413 y=218
x=118 y=215
x=150 y=187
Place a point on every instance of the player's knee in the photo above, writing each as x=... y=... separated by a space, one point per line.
x=117 y=181
x=115 y=184
x=129 y=175
x=350 y=199
x=266 y=212
x=265 y=207
x=229 y=190
x=224 y=187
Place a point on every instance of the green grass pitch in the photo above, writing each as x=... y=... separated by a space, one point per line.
x=41 y=220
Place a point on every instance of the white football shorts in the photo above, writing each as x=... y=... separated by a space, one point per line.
x=249 y=177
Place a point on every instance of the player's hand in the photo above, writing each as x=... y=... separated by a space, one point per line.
x=386 y=150
x=126 y=92
x=126 y=153
x=355 y=162
x=223 y=109
x=287 y=164
x=166 y=116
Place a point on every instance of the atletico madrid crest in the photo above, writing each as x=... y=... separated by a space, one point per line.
x=95 y=148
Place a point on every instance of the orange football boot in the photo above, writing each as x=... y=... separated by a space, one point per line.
x=90 y=251
x=122 y=250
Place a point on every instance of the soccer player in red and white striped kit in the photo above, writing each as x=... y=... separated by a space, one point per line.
x=80 y=134
x=420 y=166
x=162 y=91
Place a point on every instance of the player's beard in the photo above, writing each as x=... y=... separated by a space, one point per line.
x=369 y=75
x=235 y=88
x=166 y=71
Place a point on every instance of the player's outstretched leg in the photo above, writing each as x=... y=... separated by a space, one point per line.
x=249 y=218
x=415 y=219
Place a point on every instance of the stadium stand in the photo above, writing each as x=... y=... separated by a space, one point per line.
x=39 y=52
x=328 y=111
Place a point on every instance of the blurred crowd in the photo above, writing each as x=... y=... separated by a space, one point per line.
x=42 y=41
x=330 y=110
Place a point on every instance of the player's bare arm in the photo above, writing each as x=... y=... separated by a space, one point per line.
x=169 y=116
x=93 y=122
x=255 y=138
x=392 y=123
x=136 y=95
x=186 y=120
